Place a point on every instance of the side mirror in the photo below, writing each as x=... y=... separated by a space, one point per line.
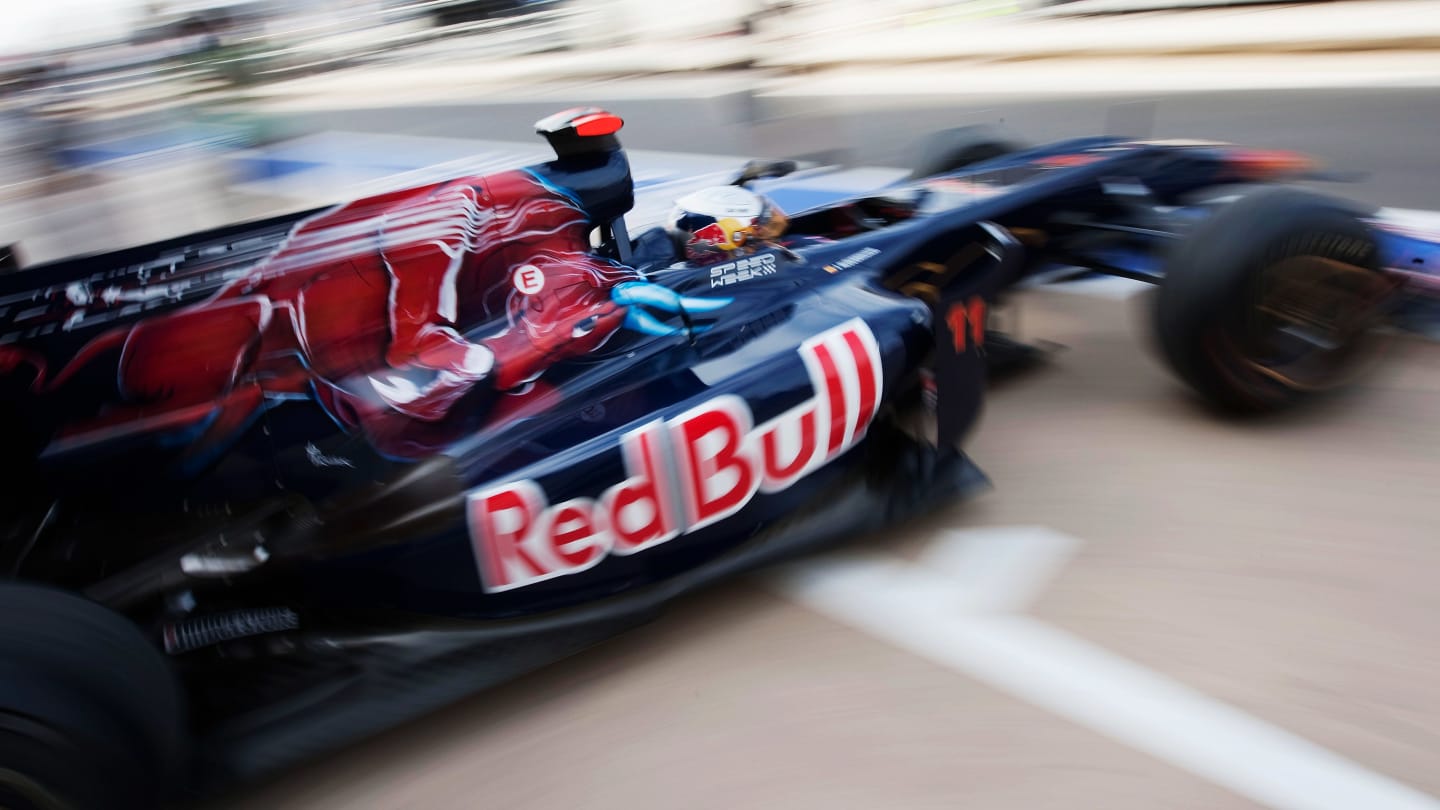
x=757 y=169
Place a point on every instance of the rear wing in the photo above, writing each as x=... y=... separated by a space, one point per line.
x=72 y=299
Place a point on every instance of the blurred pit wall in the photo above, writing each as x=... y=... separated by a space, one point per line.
x=609 y=22
x=95 y=211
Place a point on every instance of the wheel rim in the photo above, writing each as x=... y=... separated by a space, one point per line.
x=1303 y=325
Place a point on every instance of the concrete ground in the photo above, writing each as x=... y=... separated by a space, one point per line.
x=1283 y=569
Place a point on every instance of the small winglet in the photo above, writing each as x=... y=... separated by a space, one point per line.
x=581 y=131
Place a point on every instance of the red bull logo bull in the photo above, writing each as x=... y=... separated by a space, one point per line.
x=711 y=234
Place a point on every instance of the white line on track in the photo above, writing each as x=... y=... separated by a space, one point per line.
x=1114 y=288
x=951 y=608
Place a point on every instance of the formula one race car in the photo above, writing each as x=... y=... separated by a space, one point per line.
x=283 y=484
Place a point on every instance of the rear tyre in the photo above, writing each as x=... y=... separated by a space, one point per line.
x=90 y=713
x=950 y=150
x=1272 y=301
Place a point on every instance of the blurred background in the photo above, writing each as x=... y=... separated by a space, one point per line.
x=1281 y=571
x=122 y=121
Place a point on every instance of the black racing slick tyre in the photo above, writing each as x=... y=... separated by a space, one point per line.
x=953 y=149
x=1272 y=300
x=91 y=715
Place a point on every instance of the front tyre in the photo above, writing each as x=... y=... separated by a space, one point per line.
x=1272 y=301
x=951 y=150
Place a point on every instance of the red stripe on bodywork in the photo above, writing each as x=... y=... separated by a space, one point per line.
x=866 y=370
x=836 y=392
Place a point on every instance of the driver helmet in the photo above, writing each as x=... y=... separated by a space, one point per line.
x=722 y=221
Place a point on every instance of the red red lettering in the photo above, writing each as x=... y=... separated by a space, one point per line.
x=641 y=507
x=574 y=536
x=799 y=424
x=720 y=475
x=529 y=279
x=967 y=319
x=719 y=461
x=835 y=396
x=867 y=372
x=500 y=523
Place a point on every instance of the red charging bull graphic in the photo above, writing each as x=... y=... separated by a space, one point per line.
x=387 y=311
x=683 y=473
